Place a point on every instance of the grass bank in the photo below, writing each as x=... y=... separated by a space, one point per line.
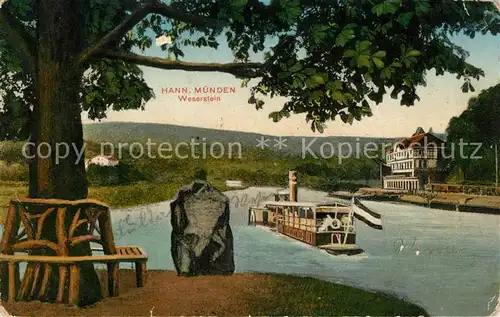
x=242 y=294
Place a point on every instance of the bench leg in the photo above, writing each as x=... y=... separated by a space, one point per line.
x=13 y=280
x=27 y=282
x=74 y=285
x=45 y=281
x=113 y=278
x=4 y=281
x=63 y=274
x=140 y=273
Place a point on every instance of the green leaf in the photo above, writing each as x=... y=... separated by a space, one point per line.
x=414 y=53
x=319 y=32
x=319 y=126
x=334 y=85
x=315 y=81
x=363 y=61
x=238 y=4
x=405 y=18
x=387 y=72
x=344 y=117
x=350 y=53
x=350 y=118
x=316 y=95
x=237 y=16
x=380 y=54
x=422 y=7
x=471 y=87
x=283 y=75
x=310 y=71
x=297 y=83
x=377 y=97
x=295 y=68
x=345 y=36
x=364 y=46
x=465 y=87
x=339 y=96
x=378 y=62
x=366 y=109
x=386 y=7
x=278 y=115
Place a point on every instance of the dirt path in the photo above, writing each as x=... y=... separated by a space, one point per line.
x=165 y=294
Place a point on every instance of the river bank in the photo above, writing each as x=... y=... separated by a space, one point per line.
x=241 y=294
x=444 y=201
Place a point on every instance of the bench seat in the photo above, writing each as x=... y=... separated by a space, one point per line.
x=131 y=254
x=123 y=254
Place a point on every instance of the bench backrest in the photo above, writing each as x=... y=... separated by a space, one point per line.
x=61 y=226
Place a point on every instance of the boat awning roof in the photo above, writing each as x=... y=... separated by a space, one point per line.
x=289 y=203
x=302 y=204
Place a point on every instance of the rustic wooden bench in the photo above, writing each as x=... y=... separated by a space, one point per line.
x=75 y=223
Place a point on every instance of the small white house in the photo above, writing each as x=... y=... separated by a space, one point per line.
x=102 y=160
x=230 y=183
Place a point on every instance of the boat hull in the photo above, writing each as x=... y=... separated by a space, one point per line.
x=309 y=238
x=305 y=236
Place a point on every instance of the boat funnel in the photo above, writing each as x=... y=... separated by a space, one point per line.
x=292 y=185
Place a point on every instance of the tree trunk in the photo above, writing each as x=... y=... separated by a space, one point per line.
x=58 y=171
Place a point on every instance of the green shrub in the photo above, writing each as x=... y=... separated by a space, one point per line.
x=330 y=185
x=12 y=152
x=14 y=172
x=200 y=174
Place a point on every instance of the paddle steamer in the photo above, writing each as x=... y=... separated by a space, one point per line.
x=328 y=226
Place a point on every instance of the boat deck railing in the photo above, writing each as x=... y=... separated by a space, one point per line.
x=310 y=227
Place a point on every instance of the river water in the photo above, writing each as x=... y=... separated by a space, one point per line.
x=456 y=271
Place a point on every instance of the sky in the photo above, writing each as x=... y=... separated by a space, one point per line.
x=441 y=100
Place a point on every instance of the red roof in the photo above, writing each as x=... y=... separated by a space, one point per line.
x=414 y=140
x=411 y=141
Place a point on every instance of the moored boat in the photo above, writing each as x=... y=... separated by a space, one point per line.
x=327 y=226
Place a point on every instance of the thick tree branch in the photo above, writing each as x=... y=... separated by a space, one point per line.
x=150 y=6
x=247 y=70
x=119 y=31
x=195 y=20
x=18 y=40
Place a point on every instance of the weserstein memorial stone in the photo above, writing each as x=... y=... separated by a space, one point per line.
x=202 y=240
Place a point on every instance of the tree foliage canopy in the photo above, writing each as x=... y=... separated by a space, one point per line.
x=478 y=127
x=331 y=57
x=480 y=122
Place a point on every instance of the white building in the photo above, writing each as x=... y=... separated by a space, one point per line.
x=413 y=161
x=231 y=183
x=102 y=160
